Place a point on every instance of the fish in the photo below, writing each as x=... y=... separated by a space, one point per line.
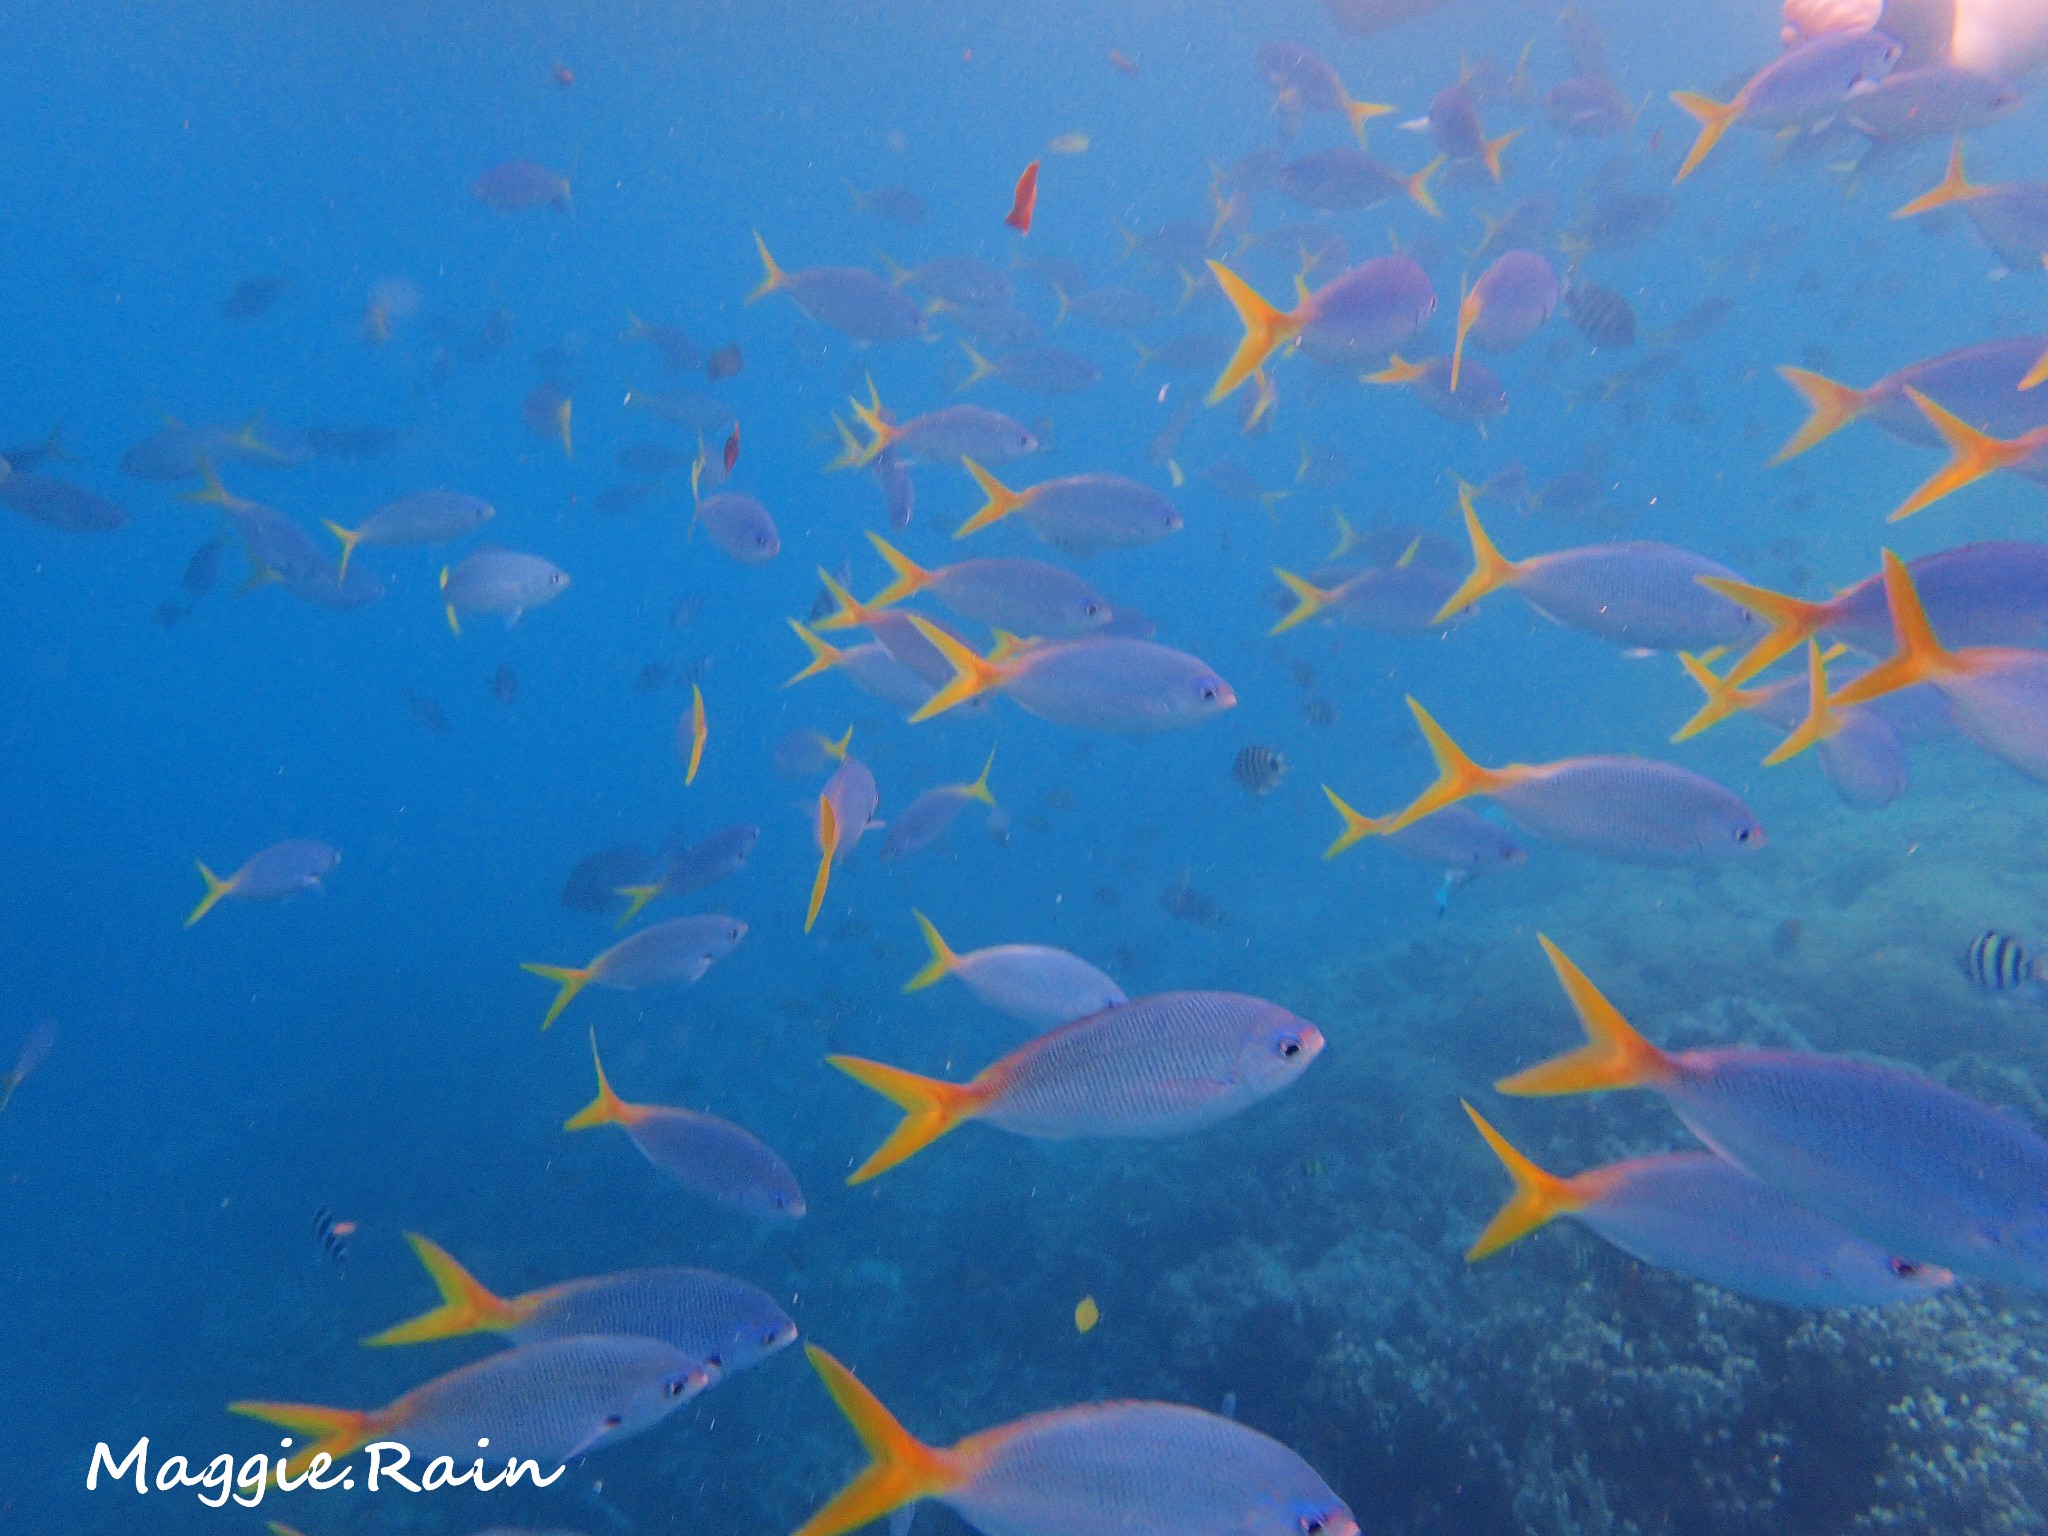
x=1996 y=965
x=2011 y=217
x=893 y=204
x=1618 y=219
x=1133 y=687
x=624 y=498
x=1025 y=597
x=1080 y=515
x=253 y=297
x=1086 y=1315
x=1035 y=370
x=681 y=869
x=997 y=326
x=726 y=363
x=59 y=504
x=1142 y=1469
x=850 y=300
x=680 y=950
x=1258 y=769
x=1588 y=106
x=505 y=684
x=805 y=752
x=1917 y=1168
x=1640 y=594
x=1453 y=121
x=1979 y=383
x=1600 y=315
x=1161 y=1066
x=1477 y=395
x=1346 y=179
x=1810 y=81
x=352 y=442
x=1122 y=62
x=678 y=352
x=1032 y=983
x=1972 y=456
x=923 y=821
x=1703 y=1217
x=1998 y=695
x=846 y=814
x=1362 y=314
x=178 y=452
x=693 y=730
x=514 y=186
x=35 y=1050
x=1509 y=303
x=963 y=280
x=1194 y=352
x=690 y=409
x=548 y=412
x=871 y=666
x=1024 y=201
x=414 y=519
x=651 y=460
x=1460 y=842
x=202 y=570
x=332 y=1235
x=1861 y=752
x=1632 y=809
x=1931 y=101
x=951 y=433
x=277 y=873
x=1114 y=309
x=550 y=1403
x=730 y=454
x=428 y=711
x=1075 y=143
x=596 y=881
x=725 y=1323
x=1304 y=81
x=392 y=301
x=494 y=580
x=708 y=1156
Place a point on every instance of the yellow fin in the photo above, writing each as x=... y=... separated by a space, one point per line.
x=1830 y=407
x=1001 y=502
x=466 y=1307
x=931 y=1108
x=1615 y=1056
x=607 y=1108
x=941 y=964
x=571 y=979
x=911 y=578
x=1715 y=117
x=1490 y=571
x=772 y=276
x=215 y=889
x=1265 y=329
x=1538 y=1196
x=1954 y=187
x=1917 y=656
x=901 y=1469
x=972 y=675
x=1355 y=825
x=1972 y=455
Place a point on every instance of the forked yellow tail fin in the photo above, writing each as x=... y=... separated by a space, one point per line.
x=1917 y=656
x=1953 y=187
x=1491 y=152
x=607 y=1108
x=882 y=432
x=637 y=897
x=1309 y=599
x=1714 y=119
x=850 y=613
x=979 y=789
x=1723 y=698
x=901 y=1468
x=1458 y=777
x=941 y=964
x=1468 y=312
x=911 y=577
x=1538 y=1196
x=1793 y=621
x=1831 y=407
x=571 y=979
x=1418 y=188
x=1355 y=825
x=215 y=889
x=1265 y=330
x=1821 y=719
x=1001 y=502
x=1615 y=1056
x=1972 y=455
x=1490 y=570
x=931 y=1108
x=972 y=675
x=1361 y=113
x=980 y=368
x=772 y=276
x=824 y=654
x=466 y=1307
x=349 y=538
x=337 y=1431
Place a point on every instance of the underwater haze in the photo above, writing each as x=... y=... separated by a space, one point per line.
x=272 y=268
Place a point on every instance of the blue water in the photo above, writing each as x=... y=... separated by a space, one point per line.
x=374 y=1049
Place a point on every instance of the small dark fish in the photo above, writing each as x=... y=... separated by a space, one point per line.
x=26 y=456
x=203 y=569
x=253 y=297
x=685 y=611
x=650 y=461
x=352 y=442
x=1259 y=769
x=594 y=884
x=625 y=497
x=332 y=1235
x=1699 y=320
x=685 y=408
x=60 y=504
x=1183 y=901
x=505 y=683
x=724 y=363
x=1998 y=965
x=564 y=77
x=653 y=677
x=1601 y=315
x=169 y=613
x=1620 y=219
x=896 y=205
x=516 y=185
x=731 y=455
x=427 y=711
x=1319 y=712
x=488 y=339
x=671 y=343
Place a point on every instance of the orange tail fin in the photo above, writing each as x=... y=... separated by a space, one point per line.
x=1538 y=1196
x=1468 y=312
x=1821 y=720
x=700 y=732
x=1918 y=657
x=1714 y=118
x=571 y=979
x=339 y=1432
x=972 y=675
x=931 y=1108
x=828 y=850
x=607 y=1108
x=1793 y=621
x=772 y=276
x=1458 y=777
x=215 y=889
x=1265 y=330
x=1490 y=571
x=901 y=1469
x=1954 y=187
x=349 y=539
x=1972 y=455
x=882 y=431
x=1615 y=1056
x=1492 y=151
x=1355 y=825
x=1001 y=502
x=1723 y=698
x=1418 y=187
x=466 y=1307
x=911 y=578
x=824 y=654
x=1832 y=406
x=850 y=613
x=1309 y=600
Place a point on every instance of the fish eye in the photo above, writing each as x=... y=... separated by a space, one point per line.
x=1742 y=834
x=1905 y=1269
x=1309 y=1525
x=1208 y=693
x=674 y=1387
x=614 y=1420
x=1289 y=1048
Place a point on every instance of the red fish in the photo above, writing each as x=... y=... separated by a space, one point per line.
x=1122 y=62
x=732 y=448
x=1019 y=217
x=564 y=76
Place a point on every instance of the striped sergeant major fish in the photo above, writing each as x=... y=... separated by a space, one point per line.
x=1998 y=965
